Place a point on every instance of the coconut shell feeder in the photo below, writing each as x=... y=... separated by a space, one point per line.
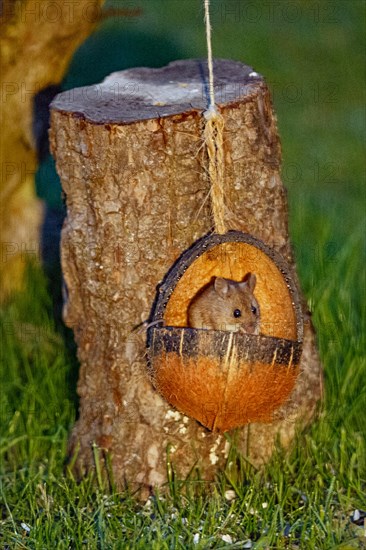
x=226 y=379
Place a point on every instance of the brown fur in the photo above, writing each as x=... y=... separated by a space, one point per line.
x=214 y=306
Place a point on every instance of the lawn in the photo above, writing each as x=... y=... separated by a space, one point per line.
x=312 y=54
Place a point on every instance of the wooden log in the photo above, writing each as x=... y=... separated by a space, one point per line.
x=133 y=167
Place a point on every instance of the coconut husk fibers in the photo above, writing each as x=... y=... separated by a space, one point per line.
x=222 y=399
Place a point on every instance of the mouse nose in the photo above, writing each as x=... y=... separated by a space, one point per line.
x=250 y=328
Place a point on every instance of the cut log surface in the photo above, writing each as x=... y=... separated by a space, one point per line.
x=141 y=94
x=133 y=167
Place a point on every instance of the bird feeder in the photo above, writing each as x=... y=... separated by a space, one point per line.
x=226 y=379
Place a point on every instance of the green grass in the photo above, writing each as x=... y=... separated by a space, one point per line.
x=303 y=500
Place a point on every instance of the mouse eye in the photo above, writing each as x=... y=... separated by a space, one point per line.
x=254 y=310
x=237 y=313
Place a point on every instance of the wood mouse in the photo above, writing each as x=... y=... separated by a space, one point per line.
x=226 y=305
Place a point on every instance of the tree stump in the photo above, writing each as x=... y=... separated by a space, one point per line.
x=132 y=163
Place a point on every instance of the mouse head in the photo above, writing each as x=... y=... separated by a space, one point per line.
x=239 y=307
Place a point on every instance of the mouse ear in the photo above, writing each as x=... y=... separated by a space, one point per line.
x=250 y=280
x=221 y=286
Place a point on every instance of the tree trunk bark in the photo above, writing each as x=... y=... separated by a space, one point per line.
x=37 y=40
x=132 y=164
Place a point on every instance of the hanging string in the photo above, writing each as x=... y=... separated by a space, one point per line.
x=214 y=139
x=209 y=55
